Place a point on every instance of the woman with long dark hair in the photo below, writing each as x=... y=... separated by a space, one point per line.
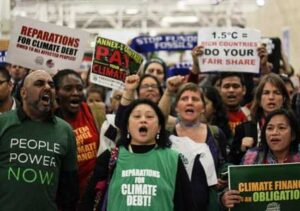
x=279 y=144
x=271 y=94
x=215 y=113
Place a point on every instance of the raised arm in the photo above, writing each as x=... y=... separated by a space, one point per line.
x=131 y=83
x=172 y=85
x=265 y=66
x=196 y=52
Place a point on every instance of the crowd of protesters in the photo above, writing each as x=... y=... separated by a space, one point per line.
x=159 y=144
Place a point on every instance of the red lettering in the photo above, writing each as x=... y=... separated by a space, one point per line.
x=101 y=51
x=76 y=44
x=24 y=30
x=34 y=32
x=115 y=58
x=126 y=60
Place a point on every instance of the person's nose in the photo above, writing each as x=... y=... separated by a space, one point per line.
x=271 y=95
x=231 y=89
x=75 y=91
x=47 y=86
x=143 y=119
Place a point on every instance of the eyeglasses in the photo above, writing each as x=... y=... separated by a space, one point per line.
x=148 y=86
x=117 y=97
x=2 y=82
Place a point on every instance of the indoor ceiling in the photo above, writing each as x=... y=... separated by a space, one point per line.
x=142 y=15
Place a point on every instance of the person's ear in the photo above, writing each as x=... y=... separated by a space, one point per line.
x=244 y=89
x=23 y=92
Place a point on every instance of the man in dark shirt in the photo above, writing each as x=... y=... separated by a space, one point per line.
x=37 y=153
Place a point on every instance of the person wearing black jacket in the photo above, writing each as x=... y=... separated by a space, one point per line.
x=271 y=94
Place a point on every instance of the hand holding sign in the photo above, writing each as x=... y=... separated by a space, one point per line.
x=230 y=198
x=229 y=49
x=112 y=62
x=263 y=55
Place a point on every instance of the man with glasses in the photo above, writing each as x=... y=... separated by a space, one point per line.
x=7 y=102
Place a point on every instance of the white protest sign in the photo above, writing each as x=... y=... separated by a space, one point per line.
x=39 y=45
x=229 y=49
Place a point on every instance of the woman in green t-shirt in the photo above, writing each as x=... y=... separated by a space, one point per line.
x=143 y=173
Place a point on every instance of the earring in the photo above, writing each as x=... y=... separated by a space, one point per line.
x=128 y=135
x=157 y=136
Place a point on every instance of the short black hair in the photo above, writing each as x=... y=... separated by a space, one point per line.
x=163 y=140
x=58 y=77
x=232 y=74
x=4 y=73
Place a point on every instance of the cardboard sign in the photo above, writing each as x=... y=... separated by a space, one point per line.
x=266 y=187
x=39 y=45
x=229 y=49
x=112 y=62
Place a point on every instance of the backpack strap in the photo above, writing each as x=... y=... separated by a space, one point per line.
x=215 y=133
x=101 y=186
x=216 y=137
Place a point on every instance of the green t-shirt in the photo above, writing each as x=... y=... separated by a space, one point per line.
x=143 y=181
x=32 y=154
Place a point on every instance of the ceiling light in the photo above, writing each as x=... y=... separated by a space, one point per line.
x=260 y=2
x=131 y=11
x=180 y=19
x=107 y=11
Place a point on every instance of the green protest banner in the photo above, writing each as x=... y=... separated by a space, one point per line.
x=266 y=187
x=112 y=62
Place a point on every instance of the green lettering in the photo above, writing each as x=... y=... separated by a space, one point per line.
x=282 y=195
x=12 y=172
x=262 y=196
x=46 y=177
x=276 y=195
x=296 y=194
x=29 y=170
x=255 y=197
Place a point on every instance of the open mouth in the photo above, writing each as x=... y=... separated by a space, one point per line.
x=143 y=130
x=75 y=103
x=275 y=140
x=271 y=105
x=231 y=97
x=45 y=98
x=189 y=110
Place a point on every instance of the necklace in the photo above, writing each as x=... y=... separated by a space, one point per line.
x=187 y=125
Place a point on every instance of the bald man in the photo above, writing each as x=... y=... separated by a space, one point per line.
x=37 y=153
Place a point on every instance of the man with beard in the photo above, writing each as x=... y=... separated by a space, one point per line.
x=37 y=153
x=7 y=102
x=232 y=90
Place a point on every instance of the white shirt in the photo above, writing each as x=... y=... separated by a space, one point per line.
x=189 y=149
